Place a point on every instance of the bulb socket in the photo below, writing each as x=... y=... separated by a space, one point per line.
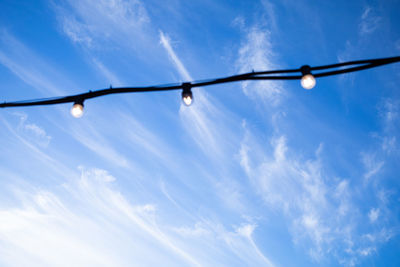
x=305 y=70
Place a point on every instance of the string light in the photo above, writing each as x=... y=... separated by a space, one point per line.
x=187 y=96
x=307 y=79
x=77 y=109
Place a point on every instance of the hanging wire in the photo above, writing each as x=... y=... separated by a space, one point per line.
x=317 y=72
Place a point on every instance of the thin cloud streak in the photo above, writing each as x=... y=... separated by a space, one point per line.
x=165 y=41
x=112 y=78
x=38 y=153
x=27 y=66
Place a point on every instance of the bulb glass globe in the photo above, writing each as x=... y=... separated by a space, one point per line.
x=308 y=81
x=187 y=99
x=77 y=110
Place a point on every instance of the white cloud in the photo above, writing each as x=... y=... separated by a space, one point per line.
x=93 y=139
x=373 y=215
x=77 y=32
x=239 y=242
x=280 y=148
x=369 y=21
x=87 y=223
x=91 y=23
x=389 y=143
x=111 y=77
x=33 y=131
x=166 y=43
x=103 y=28
x=33 y=150
x=239 y=22
x=389 y=111
x=199 y=230
x=37 y=131
x=367 y=251
x=342 y=193
x=246 y=230
x=371 y=164
x=256 y=53
x=321 y=211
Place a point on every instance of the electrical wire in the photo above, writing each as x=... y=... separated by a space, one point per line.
x=327 y=70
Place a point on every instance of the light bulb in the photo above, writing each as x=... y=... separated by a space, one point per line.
x=77 y=110
x=308 y=81
x=187 y=96
x=187 y=99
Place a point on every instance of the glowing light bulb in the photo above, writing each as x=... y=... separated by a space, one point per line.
x=187 y=99
x=77 y=110
x=187 y=96
x=308 y=81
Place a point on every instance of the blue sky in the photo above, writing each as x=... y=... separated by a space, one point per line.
x=252 y=174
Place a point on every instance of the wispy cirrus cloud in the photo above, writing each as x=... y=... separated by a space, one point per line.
x=105 y=28
x=166 y=43
x=256 y=53
x=373 y=215
x=109 y=75
x=28 y=66
x=45 y=228
x=239 y=241
x=389 y=110
x=32 y=131
x=298 y=187
x=34 y=146
x=322 y=212
x=389 y=114
x=371 y=164
x=89 y=221
x=88 y=23
x=95 y=141
x=370 y=21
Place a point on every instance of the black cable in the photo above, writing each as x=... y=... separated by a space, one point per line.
x=344 y=67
